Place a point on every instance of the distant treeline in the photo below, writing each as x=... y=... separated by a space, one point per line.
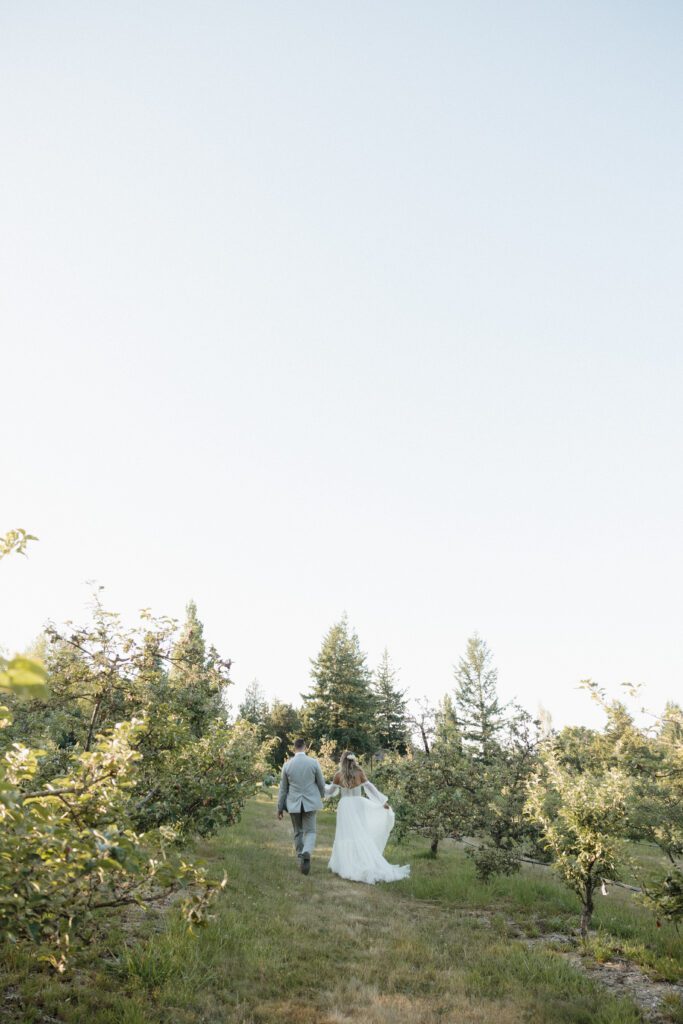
x=475 y=766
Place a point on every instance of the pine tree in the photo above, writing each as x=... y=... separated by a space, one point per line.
x=341 y=705
x=476 y=697
x=151 y=671
x=545 y=720
x=254 y=707
x=391 y=708
x=195 y=684
x=671 y=723
x=218 y=669
x=283 y=722
x=190 y=649
x=447 y=724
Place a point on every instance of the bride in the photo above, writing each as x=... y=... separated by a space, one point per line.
x=363 y=827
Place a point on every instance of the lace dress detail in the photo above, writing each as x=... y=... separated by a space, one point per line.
x=363 y=828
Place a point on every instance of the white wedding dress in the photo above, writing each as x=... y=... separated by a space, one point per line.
x=363 y=827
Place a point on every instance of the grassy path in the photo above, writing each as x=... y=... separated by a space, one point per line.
x=286 y=949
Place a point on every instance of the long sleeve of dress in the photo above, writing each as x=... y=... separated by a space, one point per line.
x=374 y=794
x=331 y=789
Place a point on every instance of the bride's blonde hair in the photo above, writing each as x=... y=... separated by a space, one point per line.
x=349 y=769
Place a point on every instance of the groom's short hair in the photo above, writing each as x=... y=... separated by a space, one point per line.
x=299 y=744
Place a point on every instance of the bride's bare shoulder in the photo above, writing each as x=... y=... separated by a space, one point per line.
x=337 y=778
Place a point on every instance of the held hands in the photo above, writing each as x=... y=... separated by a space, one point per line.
x=386 y=806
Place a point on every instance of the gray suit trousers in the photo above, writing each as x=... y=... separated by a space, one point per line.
x=303 y=823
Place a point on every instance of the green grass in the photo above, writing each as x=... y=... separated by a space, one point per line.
x=645 y=862
x=319 y=950
x=540 y=903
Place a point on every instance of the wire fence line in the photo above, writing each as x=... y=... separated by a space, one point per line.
x=543 y=864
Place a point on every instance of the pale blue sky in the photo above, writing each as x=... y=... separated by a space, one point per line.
x=368 y=306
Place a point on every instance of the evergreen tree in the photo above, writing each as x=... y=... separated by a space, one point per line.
x=190 y=649
x=391 y=713
x=151 y=671
x=282 y=722
x=195 y=680
x=545 y=720
x=447 y=724
x=671 y=724
x=341 y=705
x=254 y=707
x=476 y=697
x=219 y=671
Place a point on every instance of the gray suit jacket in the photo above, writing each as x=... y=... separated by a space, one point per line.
x=302 y=785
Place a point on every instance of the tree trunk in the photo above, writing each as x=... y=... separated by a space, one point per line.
x=587 y=912
x=93 y=721
x=434 y=848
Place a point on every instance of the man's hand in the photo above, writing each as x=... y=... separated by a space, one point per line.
x=386 y=806
x=280 y=815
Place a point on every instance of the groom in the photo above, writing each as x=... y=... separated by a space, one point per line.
x=302 y=788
